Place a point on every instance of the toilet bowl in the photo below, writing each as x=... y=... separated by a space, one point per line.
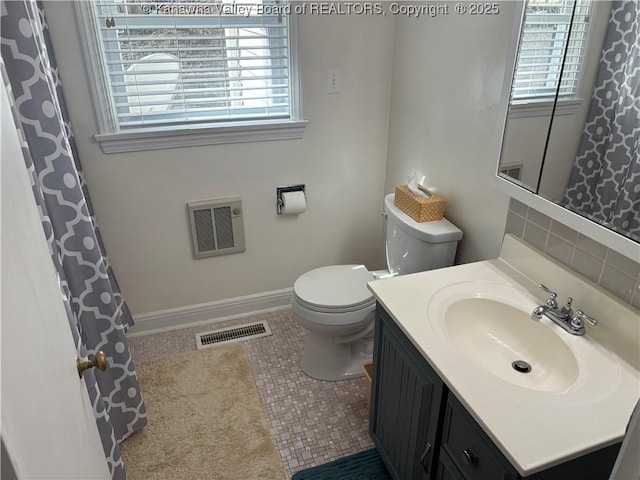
x=336 y=307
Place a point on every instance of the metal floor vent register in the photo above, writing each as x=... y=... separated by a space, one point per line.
x=232 y=334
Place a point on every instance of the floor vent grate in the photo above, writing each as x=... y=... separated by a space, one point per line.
x=232 y=334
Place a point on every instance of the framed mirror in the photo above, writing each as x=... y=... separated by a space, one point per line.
x=571 y=142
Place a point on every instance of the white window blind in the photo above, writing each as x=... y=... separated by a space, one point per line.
x=186 y=62
x=554 y=31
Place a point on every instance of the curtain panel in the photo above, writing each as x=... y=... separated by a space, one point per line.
x=605 y=181
x=98 y=315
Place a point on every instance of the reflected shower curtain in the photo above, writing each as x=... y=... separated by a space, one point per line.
x=605 y=180
x=98 y=316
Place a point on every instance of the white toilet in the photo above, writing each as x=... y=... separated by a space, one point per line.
x=336 y=307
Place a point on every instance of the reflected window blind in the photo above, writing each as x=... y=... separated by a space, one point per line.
x=181 y=62
x=548 y=33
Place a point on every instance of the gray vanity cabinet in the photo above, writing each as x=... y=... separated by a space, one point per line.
x=406 y=398
x=423 y=432
x=467 y=451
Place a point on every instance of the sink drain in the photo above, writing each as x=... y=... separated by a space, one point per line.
x=521 y=366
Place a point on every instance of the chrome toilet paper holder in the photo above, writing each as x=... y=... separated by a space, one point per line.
x=290 y=188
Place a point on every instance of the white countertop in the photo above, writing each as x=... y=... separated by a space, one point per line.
x=535 y=430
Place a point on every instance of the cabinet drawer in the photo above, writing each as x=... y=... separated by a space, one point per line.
x=469 y=447
x=447 y=469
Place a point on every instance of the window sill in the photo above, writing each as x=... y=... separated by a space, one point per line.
x=172 y=137
x=542 y=108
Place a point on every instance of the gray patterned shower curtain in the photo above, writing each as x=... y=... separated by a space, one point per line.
x=605 y=180
x=98 y=315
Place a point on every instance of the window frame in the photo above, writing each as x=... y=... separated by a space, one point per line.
x=565 y=104
x=113 y=140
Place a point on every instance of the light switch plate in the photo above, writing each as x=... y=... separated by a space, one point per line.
x=334 y=82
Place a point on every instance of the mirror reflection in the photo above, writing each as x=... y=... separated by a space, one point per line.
x=573 y=128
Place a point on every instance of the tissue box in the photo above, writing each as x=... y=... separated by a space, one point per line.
x=421 y=209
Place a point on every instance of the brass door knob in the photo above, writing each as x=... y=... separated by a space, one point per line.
x=99 y=361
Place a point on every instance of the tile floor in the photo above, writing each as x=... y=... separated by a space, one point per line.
x=311 y=421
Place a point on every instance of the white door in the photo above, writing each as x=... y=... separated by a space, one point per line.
x=48 y=428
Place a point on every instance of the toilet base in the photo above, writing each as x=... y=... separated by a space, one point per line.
x=325 y=359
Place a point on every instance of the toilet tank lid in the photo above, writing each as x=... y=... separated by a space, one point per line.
x=335 y=286
x=438 y=231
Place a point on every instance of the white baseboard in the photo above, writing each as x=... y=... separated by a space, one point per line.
x=218 y=311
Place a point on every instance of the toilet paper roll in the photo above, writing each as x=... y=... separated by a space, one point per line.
x=293 y=203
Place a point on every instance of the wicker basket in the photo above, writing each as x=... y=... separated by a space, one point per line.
x=421 y=209
x=367 y=366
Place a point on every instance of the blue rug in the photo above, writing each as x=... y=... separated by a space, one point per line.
x=365 y=465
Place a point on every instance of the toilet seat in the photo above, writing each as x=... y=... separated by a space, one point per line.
x=335 y=289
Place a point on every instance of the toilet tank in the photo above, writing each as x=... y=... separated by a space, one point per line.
x=416 y=247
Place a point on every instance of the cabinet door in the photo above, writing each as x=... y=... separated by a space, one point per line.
x=407 y=396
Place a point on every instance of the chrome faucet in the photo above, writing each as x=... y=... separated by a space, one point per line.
x=572 y=322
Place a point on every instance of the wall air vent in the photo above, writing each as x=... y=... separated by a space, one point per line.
x=513 y=170
x=216 y=227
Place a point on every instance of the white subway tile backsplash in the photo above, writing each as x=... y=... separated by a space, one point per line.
x=559 y=249
x=591 y=246
x=515 y=224
x=617 y=283
x=539 y=219
x=623 y=264
x=635 y=300
x=561 y=230
x=612 y=271
x=535 y=235
x=518 y=207
x=587 y=265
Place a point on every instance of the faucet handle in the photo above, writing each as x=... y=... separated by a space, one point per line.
x=580 y=317
x=551 y=301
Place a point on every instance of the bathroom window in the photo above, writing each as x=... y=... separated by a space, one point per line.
x=183 y=73
x=551 y=28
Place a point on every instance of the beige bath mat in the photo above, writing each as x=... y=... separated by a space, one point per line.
x=205 y=420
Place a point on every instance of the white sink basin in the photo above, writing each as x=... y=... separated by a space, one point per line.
x=494 y=335
x=490 y=324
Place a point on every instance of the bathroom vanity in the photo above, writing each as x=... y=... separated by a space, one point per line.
x=447 y=403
